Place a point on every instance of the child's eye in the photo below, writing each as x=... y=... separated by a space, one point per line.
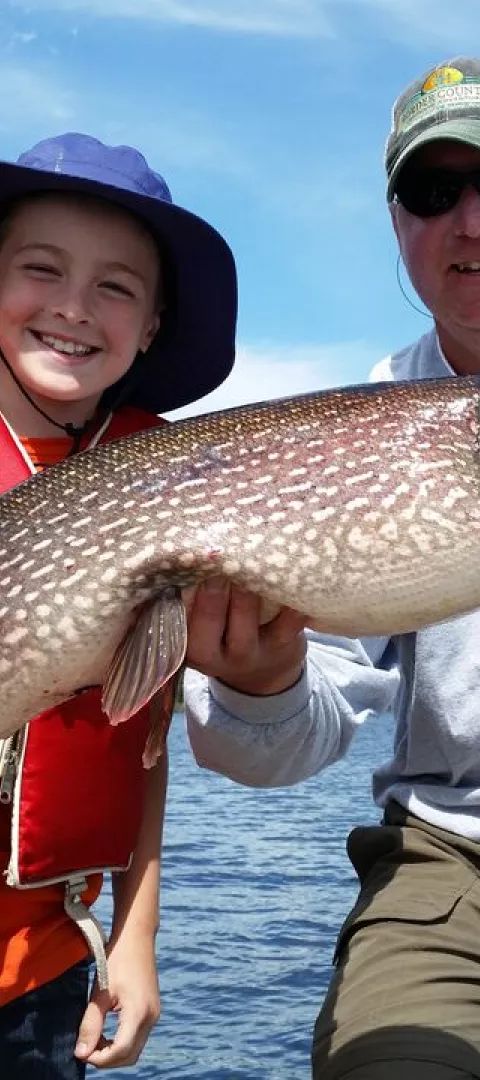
x=115 y=286
x=41 y=268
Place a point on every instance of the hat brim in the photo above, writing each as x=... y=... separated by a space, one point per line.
x=199 y=350
x=460 y=129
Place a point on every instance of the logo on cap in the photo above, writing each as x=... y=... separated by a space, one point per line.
x=446 y=92
x=443 y=76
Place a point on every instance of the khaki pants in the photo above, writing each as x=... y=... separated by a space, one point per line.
x=404 y=1000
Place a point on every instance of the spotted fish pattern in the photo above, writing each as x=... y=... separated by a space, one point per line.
x=358 y=507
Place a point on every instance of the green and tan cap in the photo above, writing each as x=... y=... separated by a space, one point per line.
x=443 y=104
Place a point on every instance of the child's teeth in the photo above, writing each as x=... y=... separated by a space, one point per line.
x=70 y=347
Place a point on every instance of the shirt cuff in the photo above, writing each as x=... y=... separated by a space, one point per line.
x=267 y=709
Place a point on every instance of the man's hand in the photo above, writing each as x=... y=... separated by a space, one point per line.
x=228 y=640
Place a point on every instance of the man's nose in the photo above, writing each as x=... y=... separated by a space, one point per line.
x=467 y=214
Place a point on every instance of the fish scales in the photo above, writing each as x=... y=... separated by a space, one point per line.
x=359 y=507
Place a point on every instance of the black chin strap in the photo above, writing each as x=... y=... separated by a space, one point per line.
x=75 y=433
x=71 y=430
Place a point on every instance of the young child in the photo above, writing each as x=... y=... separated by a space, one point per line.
x=115 y=305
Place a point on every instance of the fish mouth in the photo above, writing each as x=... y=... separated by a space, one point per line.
x=65 y=346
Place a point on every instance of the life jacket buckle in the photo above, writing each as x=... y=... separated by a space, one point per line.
x=88 y=924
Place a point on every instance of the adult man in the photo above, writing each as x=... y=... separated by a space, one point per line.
x=405 y=995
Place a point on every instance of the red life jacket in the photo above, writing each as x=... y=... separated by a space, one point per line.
x=76 y=798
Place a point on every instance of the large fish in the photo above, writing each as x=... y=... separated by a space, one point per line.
x=358 y=507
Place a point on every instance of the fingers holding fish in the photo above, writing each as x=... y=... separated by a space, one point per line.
x=206 y=607
x=227 y=639
x=262 y=657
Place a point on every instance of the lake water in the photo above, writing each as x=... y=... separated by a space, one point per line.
x=255 y=887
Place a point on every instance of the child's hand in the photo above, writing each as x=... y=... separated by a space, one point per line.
x=227 y=639
x=134 y=995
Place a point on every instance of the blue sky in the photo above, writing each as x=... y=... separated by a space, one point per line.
x=268 y=118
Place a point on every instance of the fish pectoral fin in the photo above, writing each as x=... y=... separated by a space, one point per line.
x=151 y=652
x=161 y=711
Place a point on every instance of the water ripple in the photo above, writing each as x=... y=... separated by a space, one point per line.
x=255 y=887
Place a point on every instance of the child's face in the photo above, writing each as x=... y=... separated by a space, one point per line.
x=78 y=289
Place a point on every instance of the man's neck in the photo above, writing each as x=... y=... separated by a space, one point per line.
x=461 y=351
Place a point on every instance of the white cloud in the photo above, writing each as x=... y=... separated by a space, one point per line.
x=183 y=138
x=32 y=97
x=429 y=21
x=278 y=17
x=271 y=371
x=22 y=38
x=409 y=20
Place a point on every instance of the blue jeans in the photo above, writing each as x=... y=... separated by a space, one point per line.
x=38 y=1030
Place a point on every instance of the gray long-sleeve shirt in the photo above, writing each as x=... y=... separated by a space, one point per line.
x=431 y=681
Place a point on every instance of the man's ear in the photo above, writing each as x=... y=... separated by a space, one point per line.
x=149 y=334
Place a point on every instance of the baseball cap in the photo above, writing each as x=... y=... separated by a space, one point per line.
x=443 y=104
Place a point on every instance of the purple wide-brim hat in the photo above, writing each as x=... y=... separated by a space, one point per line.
x=197 y=350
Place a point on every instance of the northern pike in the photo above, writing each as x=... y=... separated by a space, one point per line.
x=358 y=507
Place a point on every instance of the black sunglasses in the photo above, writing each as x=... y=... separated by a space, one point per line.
x=429 y=192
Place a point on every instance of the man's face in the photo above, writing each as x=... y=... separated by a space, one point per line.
x=442 y=256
